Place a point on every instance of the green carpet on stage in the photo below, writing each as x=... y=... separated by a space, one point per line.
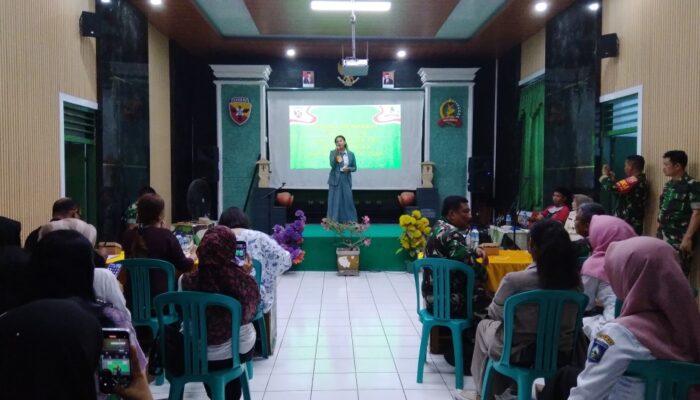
x=320 y=246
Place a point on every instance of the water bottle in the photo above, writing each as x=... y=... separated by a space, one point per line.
x=468 y=239
x=509 y=220
x=474 y=238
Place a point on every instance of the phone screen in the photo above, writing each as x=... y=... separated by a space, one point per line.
x=115 y=363
x=239 y=256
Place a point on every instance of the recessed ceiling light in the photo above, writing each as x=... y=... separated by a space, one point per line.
x=156 y=2
x=291 y=52
x=351 y=5
x=594 y=6
x=106 y=1
x=541 y=6
x=401 y=53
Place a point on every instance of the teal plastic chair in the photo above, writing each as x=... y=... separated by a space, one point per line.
x=192 y=307
x=142 y=312
x=665 y=380
x=440 y=270
x=259 y=320
x=551 y=307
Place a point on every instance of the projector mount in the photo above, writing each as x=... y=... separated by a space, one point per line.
x=353 y=66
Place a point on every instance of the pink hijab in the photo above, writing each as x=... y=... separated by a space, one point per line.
x=658 y=303
x=604 y=230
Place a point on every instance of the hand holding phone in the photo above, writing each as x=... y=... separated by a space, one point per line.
x=115 y=359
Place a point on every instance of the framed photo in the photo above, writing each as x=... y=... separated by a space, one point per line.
x=307 y=79
x=388 y=79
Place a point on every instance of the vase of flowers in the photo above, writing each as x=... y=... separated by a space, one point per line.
x=290 y=237
x=351 y=237
x=416 y=229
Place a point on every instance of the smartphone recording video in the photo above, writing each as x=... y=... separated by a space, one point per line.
x=115 y=361
x=241 y=250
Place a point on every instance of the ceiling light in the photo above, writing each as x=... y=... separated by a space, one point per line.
x=156 y=2
x=541 y=6
x=401 y=53
x=106 y=1
x=594 y=6
x=291 y=52
x=351 y=5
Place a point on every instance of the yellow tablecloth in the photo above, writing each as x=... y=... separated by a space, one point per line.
x=506 y=261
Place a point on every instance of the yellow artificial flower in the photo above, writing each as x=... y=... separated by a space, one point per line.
x=404 y=220
x=415 y=214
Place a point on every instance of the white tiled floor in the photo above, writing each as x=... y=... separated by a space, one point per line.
x=345 y=338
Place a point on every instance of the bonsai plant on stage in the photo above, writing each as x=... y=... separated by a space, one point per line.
x=290 y=237
x=352 y=236
x=416 y=229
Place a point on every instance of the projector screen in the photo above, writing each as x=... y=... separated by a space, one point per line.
x=383 y=129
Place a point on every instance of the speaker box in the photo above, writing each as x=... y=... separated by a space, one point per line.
x=480 y=175
x=89 y=24
x=608 y=45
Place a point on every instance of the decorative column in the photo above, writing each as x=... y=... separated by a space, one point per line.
x=241 y=92
x=449 y=94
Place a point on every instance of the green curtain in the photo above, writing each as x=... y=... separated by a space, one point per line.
x=531 y=116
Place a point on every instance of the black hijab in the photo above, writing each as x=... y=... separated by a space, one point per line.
x=63 y=266
x=9 y=232
x=50 y=350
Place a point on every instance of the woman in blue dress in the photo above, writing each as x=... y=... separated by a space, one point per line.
x=341 y=207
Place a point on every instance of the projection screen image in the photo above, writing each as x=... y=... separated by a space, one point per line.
x=374 y=131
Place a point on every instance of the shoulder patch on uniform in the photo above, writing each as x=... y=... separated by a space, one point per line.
x=607 y=339
x=597 y=351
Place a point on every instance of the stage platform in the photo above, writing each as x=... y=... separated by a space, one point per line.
x=320 y=246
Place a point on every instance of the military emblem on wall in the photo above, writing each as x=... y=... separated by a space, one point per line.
x=450 y=114
x=239 y=108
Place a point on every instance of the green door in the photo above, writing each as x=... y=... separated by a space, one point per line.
x=80 y=158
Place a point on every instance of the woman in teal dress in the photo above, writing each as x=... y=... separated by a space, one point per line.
x=341 y=207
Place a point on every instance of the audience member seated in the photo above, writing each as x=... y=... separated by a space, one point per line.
x=559 y=209
x=132 y=212
x=152 y=240
x=448 y=240
x=579 y=200
x=555 y=267
x=656 y=322
x=217 y=273
x=50 y=350
x=604 y=230
x=62 y=208
x=15 y=285
x=582 y=222
x=274 y=259
x=63 y=267
x=105 y=284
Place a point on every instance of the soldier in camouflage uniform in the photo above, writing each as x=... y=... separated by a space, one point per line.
x=679 y=207
x=631 y=193
x=447 y=240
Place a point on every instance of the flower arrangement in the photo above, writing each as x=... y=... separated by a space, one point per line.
x=351 y=235
x=290 y=237
x=416 y=229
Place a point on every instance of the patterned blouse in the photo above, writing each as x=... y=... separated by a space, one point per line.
x=274 y=259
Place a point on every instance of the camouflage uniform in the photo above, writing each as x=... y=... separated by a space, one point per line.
x=676 y=205
x=446 y=241
x=630 y=203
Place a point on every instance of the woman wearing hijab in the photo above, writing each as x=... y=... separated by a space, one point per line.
x=104 y=282
x=603 y=231
x=50 y=350
x=14 y=262
x=656 y=321
x=63 y=267
x=217 y=273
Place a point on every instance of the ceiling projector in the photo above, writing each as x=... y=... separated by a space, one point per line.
x=355 y=67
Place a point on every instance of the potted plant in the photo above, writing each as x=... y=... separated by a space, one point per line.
x=290 y=237
x=351 y=237
x=416 y=229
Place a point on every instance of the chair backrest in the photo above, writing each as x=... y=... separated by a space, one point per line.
x=551 y=304
x=667 y=380
x=258 y=271
x=192 y=308
x=140 y=279
x=440 y=270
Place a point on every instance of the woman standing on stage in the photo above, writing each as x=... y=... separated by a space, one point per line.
x=341 y=207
